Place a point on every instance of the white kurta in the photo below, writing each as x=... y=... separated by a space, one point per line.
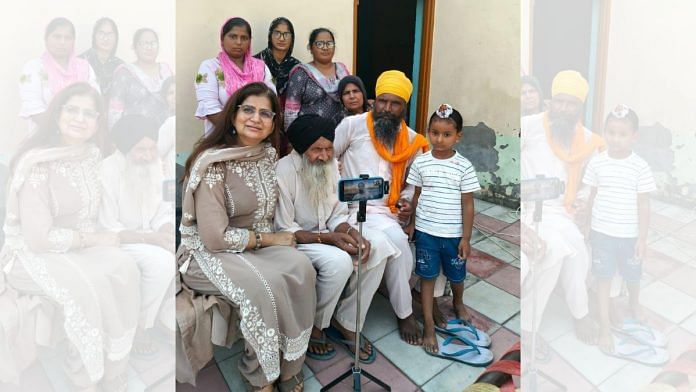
x=156 y=264
x=34 y=91
x=566 y=257
x=211 y=93
x=334 y=266
x=353 y=147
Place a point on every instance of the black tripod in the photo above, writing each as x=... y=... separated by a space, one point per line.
x=355 y=369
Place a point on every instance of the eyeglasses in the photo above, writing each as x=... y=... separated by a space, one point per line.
x=149 y=45
x=74 y=111
x=105 y=34
x=324 y=44
x=277 y=34
x=250 y=111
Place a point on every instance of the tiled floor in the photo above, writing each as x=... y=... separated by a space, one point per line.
x=491 y=291
x=668 y=295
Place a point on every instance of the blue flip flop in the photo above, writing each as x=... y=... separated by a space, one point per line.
x=321 y=357
x=465 y=330
x=337 y=337
x=468 y=354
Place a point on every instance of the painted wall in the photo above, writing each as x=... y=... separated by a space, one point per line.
x=475 y=68
x=650 y=68
x=24 y=41
x=198 y=32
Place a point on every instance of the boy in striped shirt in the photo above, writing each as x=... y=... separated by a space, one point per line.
x=620 y=203
x=444 y=205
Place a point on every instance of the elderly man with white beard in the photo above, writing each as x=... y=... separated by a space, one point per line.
x=133 y=206
x=308 y=206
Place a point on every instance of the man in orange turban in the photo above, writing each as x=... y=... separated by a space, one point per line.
x=379 y=143
x=555 y=144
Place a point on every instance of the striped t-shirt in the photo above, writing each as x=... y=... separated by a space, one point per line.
x=442 y=182
x=618 y=182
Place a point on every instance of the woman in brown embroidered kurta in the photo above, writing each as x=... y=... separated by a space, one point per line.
x=64 y=273
x=228 y=247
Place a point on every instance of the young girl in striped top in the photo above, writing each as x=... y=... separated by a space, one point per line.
x=444 y=205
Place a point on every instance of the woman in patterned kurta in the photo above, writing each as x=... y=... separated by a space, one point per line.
x=313 y=87
x=228 y=247
x=62 y=272
x=135 y=88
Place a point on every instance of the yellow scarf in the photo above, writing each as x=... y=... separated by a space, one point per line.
x=575 y=159
x=403 y=151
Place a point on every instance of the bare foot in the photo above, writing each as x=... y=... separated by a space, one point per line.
x=438 y=316
x=461 y=312
x=429 y=340
x=606 y=341
x=586 y=330
x=365 y=345
x=410 y=333
x=314 y=345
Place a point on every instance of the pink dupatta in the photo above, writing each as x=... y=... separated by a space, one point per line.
x=235 y=78
x=60 y=78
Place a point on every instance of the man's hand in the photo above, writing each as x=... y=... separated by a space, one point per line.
x=342 y=241
x=405 y=210
x=532 y=245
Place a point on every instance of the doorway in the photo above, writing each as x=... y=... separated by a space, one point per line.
x=387 y=39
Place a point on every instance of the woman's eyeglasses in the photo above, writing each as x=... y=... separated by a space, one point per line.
x=324 y=44
x=74 y=111
x=278 y=34
x=250 y=111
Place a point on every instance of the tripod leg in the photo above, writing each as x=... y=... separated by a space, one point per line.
x=336 y=381
x=376 y=380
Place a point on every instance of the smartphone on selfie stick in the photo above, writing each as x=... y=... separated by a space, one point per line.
x=361 y=190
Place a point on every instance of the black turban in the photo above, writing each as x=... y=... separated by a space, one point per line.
x=130 y=129
x=307 y=129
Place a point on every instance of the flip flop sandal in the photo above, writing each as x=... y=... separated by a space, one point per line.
x=642 y=333
x=289 y=385
x=629 y=348
x=335 y=335
x=468 y=354
x=321 y=357
x=466 y=330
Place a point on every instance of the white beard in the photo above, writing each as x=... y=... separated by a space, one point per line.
x=319 y=179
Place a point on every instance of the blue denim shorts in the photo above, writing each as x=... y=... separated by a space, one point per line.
x=608 y=252
x=433 y=252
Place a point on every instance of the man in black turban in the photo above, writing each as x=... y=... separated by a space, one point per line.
x=308 y=206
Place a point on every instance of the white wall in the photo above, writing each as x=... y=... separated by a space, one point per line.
x=23 y=40
x=651 y=67
x=198 y=38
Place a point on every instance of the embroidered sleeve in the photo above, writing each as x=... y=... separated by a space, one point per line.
x=36 y=215
x=237 y=239
x=31 y=90
x=211 y=214
x=209 y=80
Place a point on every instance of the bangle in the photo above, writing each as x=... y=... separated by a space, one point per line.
x=258 y=237
x=319 y=238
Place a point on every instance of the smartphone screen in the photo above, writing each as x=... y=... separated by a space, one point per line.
x=361 y=189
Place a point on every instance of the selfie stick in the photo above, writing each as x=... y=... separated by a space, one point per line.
x=355 y=369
